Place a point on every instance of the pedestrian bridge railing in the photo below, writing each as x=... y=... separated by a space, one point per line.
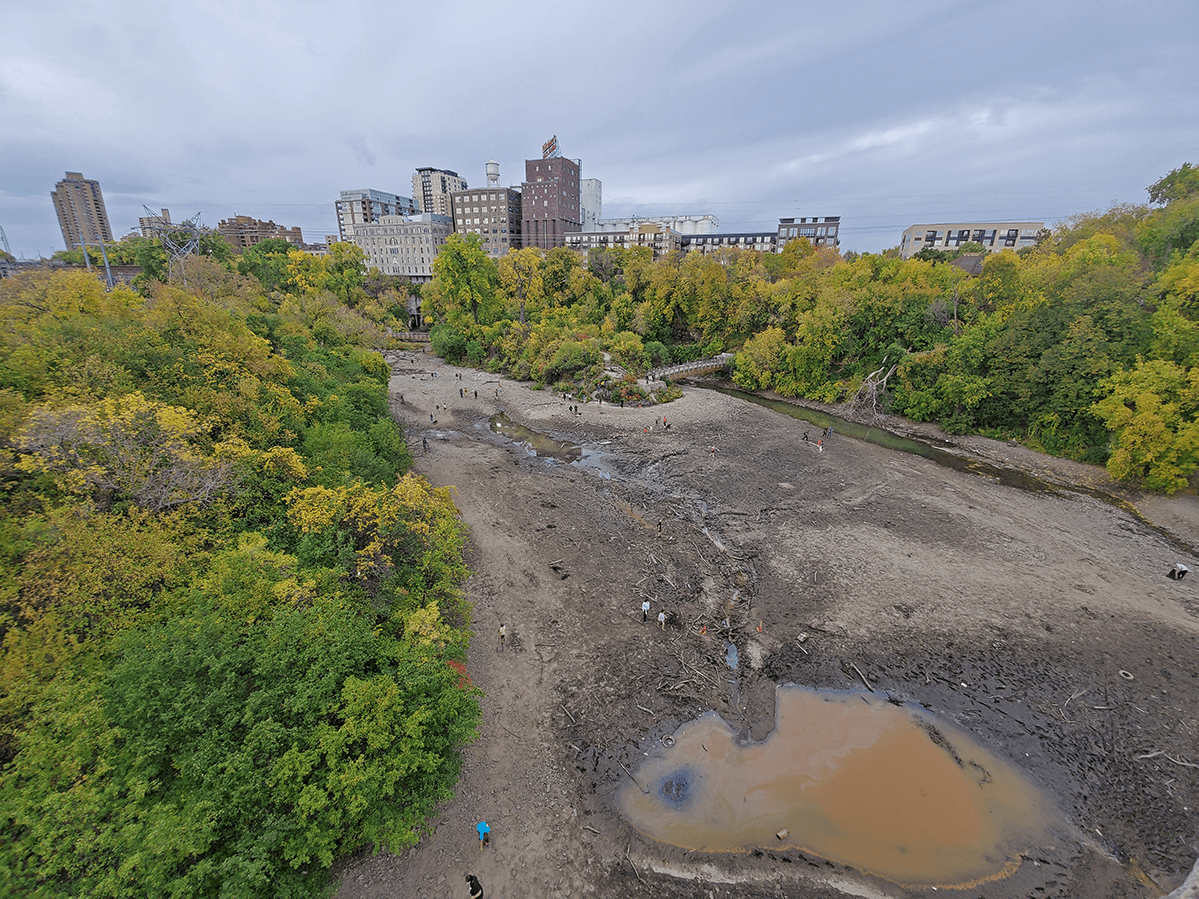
x=683 y=369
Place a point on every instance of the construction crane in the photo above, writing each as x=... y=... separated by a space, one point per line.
x=4 y=240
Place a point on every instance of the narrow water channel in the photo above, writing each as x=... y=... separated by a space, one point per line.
x=535 y=442
x=849 y=778
x=1009 y=476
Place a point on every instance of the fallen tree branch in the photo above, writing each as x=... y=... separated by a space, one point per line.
x=862 y=676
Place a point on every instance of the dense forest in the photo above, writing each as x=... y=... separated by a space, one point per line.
x=1083 y=346
x=233 y=631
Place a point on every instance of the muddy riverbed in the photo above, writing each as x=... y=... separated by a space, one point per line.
x=1040 y=623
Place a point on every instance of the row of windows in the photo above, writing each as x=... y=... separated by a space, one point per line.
x=986 y=236
x=822 y=231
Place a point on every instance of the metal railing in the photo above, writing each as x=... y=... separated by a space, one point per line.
x=700 y=366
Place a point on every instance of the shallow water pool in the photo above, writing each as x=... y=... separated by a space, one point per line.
x=851 y=778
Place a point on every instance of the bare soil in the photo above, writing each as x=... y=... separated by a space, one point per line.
x=1040 y=620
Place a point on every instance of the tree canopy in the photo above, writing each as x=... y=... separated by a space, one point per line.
x=1030 y=349
x=231 y=622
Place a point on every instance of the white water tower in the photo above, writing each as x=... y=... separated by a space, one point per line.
x=493 y=174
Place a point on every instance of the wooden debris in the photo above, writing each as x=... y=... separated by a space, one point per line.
x=862 y=676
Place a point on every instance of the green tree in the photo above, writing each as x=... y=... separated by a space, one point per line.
x=1153 y=412
x=268 y=262
x=520 y=277
x=467 y=279
x=1181 y=183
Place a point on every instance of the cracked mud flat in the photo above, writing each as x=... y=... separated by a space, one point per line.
x=1042 y=624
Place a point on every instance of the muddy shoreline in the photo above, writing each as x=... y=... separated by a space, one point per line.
x=1042 y=624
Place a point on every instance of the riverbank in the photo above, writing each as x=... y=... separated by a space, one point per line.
x=1011 y=613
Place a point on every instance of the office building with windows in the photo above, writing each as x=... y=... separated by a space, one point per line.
x=361 y=207
x=994 y=236
x=79 y=205
x=432 y=188
x=494 y=213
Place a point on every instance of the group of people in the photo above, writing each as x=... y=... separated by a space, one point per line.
x=824 y=434
x=484 y=829
x=645 y=610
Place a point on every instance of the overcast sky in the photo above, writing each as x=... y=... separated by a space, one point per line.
x=887 y=114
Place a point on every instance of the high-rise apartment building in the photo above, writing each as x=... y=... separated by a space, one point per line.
x=550 y=200
x=361 y=207
x=432 y=188
x=81 y=213
x=492 y=212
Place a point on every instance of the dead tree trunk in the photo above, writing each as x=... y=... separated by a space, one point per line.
x=868 y=401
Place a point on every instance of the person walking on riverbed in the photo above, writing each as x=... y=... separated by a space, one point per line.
x=645 y=611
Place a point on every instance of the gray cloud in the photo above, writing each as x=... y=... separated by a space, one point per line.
x=885 y=114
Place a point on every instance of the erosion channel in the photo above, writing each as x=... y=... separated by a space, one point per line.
x=1039 y=624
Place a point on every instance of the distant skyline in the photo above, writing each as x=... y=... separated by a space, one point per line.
x=885 y=114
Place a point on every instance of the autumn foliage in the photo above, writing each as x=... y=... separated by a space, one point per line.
x=1082 y=345
x=229 y=616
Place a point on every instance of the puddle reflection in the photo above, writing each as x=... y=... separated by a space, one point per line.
x=852 y=779
x=538 y=444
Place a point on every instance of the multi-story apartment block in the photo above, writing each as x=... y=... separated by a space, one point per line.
x=994 y=236
x=761 y=241
x=243 y=232
x=360 y=207
x=82 y=217
x=550 y=200
x=820 y=232
x=591 y=203
x=660 y=239
x=431 y=188
x=404 y=245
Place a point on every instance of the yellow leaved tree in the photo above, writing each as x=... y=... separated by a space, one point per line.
x=128 y=447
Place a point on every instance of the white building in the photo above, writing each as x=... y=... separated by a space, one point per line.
x=404 y=245
x=680 y=224
x=994 y=236
x=591 y=202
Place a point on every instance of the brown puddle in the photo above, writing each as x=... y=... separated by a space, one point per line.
x=852 y=779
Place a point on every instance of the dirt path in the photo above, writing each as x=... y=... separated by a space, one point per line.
x=1009 y=612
